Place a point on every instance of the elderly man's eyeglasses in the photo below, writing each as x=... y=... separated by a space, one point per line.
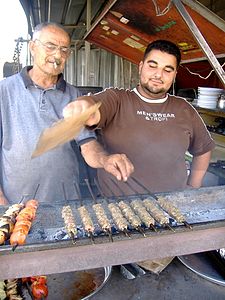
x=51 y=48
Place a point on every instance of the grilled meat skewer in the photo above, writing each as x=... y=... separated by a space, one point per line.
x=133 y=219
x=7 y=222
x=171 y=210
x=86 y=219
x=70 y=224
x=23 y=223
x=13 y=290
x=118 y=217
x=143 y=214
x=157 y=214
x=102 y=217
x=127 y=211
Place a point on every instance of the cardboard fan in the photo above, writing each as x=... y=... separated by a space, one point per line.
x=63 y=131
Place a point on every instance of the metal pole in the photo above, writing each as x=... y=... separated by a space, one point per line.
x=201 y=41
x=87 y=45
x=100 y=17
x=49 y=10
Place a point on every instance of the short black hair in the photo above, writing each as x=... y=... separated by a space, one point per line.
x=164 y=46
x=41 y=26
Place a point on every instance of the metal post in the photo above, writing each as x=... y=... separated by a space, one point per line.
x=87 y=45
x=201 y=41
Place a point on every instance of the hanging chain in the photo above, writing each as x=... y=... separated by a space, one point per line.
x=16 y=55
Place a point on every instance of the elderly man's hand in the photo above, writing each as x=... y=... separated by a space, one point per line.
x=119 y=166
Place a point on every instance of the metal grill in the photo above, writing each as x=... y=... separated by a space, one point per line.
x=49 y=243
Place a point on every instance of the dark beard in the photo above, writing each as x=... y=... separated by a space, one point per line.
x=154 y=91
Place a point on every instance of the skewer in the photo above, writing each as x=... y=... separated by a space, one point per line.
x=139 y=228
x=78 y=193
x=35 y=192
x=133 y=190
x=69 y=221
x=14 y=247
x=91 y=236
x=87 y=221
x=104 y=216
x=64 y=191
x=89 y=189
x=187 y=225
x=109 y=234
x=21 y=200
x=73 y=237
x=126 y=232
x=130 y=215
x=158 y=199
x=147 y=190
x=99 y=189
x=168 y=225
x=103 y=195
x=144 y=215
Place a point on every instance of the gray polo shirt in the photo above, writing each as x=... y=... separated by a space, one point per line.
x=25 y=110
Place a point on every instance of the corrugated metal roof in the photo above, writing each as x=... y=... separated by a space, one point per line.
x=69 y=13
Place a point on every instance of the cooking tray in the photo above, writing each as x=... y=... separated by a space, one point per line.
x=76 y=285
x=204 y=266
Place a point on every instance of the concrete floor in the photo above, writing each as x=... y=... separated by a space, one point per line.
x=175 y=282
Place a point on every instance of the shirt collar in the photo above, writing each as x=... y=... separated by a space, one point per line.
x=60 y=85
x=160 y=100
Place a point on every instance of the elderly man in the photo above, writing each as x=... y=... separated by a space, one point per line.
x=31 y=101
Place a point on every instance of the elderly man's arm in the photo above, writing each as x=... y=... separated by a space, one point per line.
x=199 y=167
x=116 y=164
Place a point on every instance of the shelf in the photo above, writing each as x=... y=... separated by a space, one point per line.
x=212 y=112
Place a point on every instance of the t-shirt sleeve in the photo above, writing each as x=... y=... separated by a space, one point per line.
x=201 y=140
x=85 y=136
x=110 y=99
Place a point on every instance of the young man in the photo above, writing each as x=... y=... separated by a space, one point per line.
x=154 y=129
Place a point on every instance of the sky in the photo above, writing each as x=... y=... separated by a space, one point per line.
x=13 y=24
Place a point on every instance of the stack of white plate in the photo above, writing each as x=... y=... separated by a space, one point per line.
x=207 y=97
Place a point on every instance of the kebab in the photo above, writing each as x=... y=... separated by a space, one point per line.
x=23 y=223
x=118 y=218
x=70 y=224
x=13 y=289
x=157 y=213
x=86 y=220
x=172 y=211
x=102 y=217
x=134 y=220
x=2 y=290
x=37 y=286
x=7 y=221
x=143 y=214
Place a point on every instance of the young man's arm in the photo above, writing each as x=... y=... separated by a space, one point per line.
x=116 y=164
x=199 y=167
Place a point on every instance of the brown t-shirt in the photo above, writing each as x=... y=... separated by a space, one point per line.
x=154 y=136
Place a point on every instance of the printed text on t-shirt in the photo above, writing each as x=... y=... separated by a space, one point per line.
x=159 y=117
